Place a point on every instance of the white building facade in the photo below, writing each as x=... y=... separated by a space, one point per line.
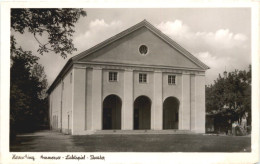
x=139 y=79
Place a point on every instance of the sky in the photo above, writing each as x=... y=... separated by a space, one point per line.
x=219 y=37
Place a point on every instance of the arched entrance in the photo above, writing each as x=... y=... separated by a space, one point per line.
x=142 y=113
x=112 y=112
x=171 y=113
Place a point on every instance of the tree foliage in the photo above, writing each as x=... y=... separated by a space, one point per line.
x=27 y=103
x=57 y=24
x=230 y=95
x=28 y=85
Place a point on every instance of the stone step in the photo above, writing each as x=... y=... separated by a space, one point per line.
x=143 y=132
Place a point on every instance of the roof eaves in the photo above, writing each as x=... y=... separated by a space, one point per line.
x=177 y=46
x=59 y=77
x=109 y=40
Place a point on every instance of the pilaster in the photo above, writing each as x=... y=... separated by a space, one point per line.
x=200 y=104
x=127 y=113
x=89 y=120
x=158 y=104
x=185 y=102
x=192 y=103
x=78 y=100
x=97 y=98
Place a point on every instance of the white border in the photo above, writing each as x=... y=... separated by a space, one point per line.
x=252 y=157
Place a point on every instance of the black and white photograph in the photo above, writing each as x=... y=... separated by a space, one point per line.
x=86 y=83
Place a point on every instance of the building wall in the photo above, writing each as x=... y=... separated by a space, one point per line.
x=200 y=112
x=193 y=103
x=55 y=105
x=175 y=90
x=143 y=89
x=61 y=105
x=67 y=103
x=172 y=90
x=91 y=87
x=88 y=100
x=115 y=87
x=78 y=99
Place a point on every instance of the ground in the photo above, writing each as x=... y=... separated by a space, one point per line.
x=49 y=141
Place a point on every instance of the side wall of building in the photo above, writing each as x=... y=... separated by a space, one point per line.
x=55 y=107
x=61 y=104
x=67 y=103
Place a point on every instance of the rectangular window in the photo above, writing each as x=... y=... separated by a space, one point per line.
x=171 y=79
x=142 y=78
x=112 y=76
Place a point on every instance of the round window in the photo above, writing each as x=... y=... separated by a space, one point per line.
x=143 y=49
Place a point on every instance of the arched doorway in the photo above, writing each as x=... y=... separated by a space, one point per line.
x=171 y=113
x=112 y=112
x=142 y=113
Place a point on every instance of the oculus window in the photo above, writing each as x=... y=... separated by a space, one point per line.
x=143 y=49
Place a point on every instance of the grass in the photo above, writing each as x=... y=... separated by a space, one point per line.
x=163 y=143
x=48 y=141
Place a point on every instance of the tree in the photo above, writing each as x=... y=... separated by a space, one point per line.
x=22 y=90
x=28 y=102
x=57 y=24
x=230 y=96
x=39 y=75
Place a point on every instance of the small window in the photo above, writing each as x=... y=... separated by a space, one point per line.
x=112 y=76
x=142 y=78
x=143 y=49
x=171 y=79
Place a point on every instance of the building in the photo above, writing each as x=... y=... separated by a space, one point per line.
x=137 y=79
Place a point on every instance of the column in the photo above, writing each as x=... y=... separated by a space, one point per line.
x=127 y=113
x=97 y=99
x=185 y=101
x=192 y=103
x=200 y=112
x=78 y=100
x=157 y=107
x=89 y=100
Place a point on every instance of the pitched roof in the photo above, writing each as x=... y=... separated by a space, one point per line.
x=153 y=29
x=112 y=39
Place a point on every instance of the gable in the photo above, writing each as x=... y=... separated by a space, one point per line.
x=126 y=51
x=123 y=48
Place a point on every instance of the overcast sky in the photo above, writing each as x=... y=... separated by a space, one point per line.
x=221 y=38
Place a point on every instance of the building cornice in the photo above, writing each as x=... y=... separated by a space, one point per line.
x=137 y=67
